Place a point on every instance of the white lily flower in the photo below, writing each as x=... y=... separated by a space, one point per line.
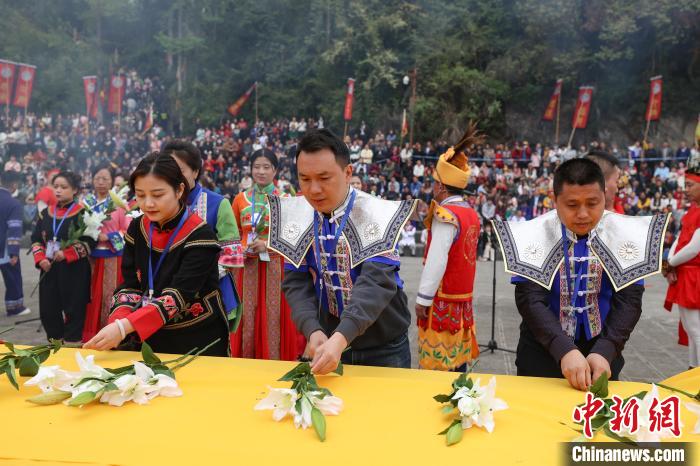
x=477 y=405
x=166 y=386
x=303 y=419
x=644 y=433
x=130 y=387
x=281 y=401
x=118 y=197
x=329 y=405
x=695 y=409
x=136 y=213
x=88 y=368
x=143 y=372
x=52 y=378
x=93 y=223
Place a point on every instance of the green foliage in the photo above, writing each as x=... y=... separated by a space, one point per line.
x=476 y=59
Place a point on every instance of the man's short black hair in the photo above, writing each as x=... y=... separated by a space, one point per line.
x=319 y=139
x=10 y=176
x=605 y=160
x=578 y=172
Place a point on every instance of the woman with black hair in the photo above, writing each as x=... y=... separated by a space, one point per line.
x=216 y=211
x=170 y=296
x=64 y=286
x=107 y=255
x=266 y=330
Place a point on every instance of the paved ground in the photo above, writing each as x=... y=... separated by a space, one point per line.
x=651 y=354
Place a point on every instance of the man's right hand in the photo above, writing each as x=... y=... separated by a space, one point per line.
x=45 y=265
x=316 y=339
x=576 y=369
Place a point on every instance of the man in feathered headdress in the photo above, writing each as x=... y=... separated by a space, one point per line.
x=446 y=331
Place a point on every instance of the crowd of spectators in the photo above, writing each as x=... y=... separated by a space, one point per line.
x=508 y=180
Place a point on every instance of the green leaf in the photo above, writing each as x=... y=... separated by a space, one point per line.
x=319 y=422
x=82 y=399
x=339 y=370
x=29 y=366
x=42 y=356
x=162 y=369
x=149 y=357
x=10 y=372
x=49 y=398
x=301 y=369
x=454 y=433
x=10 y=346
x=442 y=398
x=600 y=386
x=447 y=409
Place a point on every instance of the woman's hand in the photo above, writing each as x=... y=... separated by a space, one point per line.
x=258 y=246
x=109 y=337
x=102 y=237
x=59 y=256
x=45 y=265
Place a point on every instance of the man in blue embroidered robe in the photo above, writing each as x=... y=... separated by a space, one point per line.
x=579 y=309
x=342 y=279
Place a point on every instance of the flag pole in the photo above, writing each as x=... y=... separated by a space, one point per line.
x=573 y=130
x=556 y=130
x=345 y=131
x=256 y=103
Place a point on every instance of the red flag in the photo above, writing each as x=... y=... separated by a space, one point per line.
x=235 y=108
x=349 y=96
x=23 y=92
x=654 y=104
x=551 y=110
x=583 y=107
x=116 y=94
x=90 y=87
x=149 y=120
x=7 y=77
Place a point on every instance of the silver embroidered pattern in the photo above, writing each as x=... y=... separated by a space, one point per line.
x=533 y=252
x=628 y=251
x=291 y=231
x=371 y=231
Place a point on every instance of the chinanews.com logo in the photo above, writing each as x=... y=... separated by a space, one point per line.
x=638 y=423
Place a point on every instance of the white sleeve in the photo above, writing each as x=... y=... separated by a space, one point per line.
x=443 y=235
x=688 y=252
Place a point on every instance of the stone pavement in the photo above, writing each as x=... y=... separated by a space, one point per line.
x=651 y=353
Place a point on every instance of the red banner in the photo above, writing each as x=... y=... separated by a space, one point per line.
x=583 y=107
x=349 y=97
x=25 y=83
x=116 y=94
x=7 y=77
x=551 y=110
x=235 y=108
x=90 y=87
x=654 y=104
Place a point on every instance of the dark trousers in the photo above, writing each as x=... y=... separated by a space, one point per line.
x=65 y=289
x=14 y=296
x=396 y=353
x=533 y=360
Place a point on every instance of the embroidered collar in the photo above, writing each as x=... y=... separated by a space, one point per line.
x=339 y=211
x=171 y=222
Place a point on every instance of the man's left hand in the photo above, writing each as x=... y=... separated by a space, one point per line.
x=421 y=311
x=598 y=365
x=14 y=260
x=328 y=354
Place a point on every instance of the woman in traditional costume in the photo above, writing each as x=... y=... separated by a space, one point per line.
x=107 y=255
x=64 y=282
x=684 y=260
x=266 y=330
x=170 y=296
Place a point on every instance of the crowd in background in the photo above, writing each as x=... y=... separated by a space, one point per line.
x=508 y=180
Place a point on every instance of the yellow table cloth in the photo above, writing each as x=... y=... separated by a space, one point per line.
x=389 y=418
